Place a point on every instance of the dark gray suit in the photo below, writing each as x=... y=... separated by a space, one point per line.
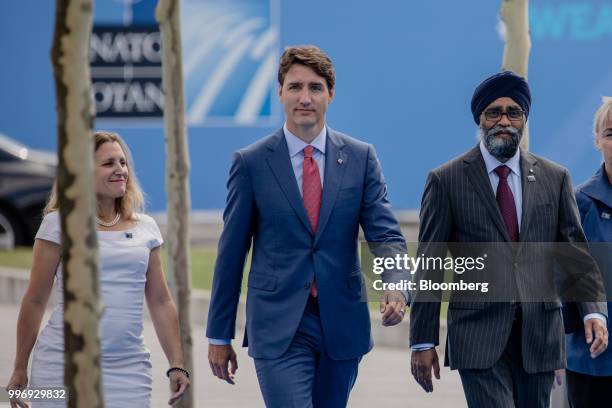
x=459 y=206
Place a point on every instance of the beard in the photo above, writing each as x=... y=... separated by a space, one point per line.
x=501 y=148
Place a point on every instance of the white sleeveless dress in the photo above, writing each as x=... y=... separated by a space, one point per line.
x=126 y=365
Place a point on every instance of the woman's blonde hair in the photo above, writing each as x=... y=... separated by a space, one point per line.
x=132 y=201
x=603 y=116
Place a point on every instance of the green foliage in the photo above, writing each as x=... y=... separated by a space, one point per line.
x=202 y=263
x=20 y=257
x=202 y=268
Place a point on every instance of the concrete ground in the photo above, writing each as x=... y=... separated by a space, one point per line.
x=384 y=375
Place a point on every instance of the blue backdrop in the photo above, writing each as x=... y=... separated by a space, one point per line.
x=405 y=75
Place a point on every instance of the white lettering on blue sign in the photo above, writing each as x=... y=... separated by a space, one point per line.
x=579 y=21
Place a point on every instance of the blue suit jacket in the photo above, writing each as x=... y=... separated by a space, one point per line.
x=594 y=198
x=265 y=207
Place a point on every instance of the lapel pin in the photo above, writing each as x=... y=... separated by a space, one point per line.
x=605 y=215
x=531 y=178
x=340 y=161
x=531 y=171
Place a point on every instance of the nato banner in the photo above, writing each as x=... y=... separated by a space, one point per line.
x=126 y=72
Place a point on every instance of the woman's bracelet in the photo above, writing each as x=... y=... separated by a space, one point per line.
x=182 y=370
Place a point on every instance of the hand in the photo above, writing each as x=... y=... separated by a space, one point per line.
x=178 y=385
x=596 y=334
x=558 y=378
x=19 y=380
x=392 y=305
x=219 y=357
x=421 y=365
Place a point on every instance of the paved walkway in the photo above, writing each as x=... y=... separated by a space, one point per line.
x=384 y=375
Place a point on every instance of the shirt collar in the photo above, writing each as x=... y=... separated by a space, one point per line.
x=492 y=163
x=296 y=145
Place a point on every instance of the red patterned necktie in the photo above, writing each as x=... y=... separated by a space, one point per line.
x=311 y=192
x=505 y=201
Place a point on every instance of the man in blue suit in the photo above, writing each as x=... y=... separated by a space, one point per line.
x=300 y=196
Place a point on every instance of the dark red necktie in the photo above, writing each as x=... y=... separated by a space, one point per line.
x=311 y=192
x=505 y=201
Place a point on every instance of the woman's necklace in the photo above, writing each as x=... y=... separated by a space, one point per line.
x=109 y=224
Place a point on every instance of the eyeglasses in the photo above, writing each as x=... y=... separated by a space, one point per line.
x=514 y=115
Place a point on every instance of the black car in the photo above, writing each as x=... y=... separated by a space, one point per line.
x=26 y=178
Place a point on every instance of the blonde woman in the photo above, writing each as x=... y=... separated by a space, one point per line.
x=589 y=379
x=130 y=271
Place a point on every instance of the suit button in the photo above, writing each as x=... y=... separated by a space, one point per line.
x=307 y=285
x=516 y=265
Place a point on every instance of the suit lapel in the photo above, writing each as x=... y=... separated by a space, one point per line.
x=280 y=164
x=335 y=167
x=528 y=172
x=476 y=172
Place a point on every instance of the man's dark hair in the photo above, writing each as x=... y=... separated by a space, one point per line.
x=309 y=56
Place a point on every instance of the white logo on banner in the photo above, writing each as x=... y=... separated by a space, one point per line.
x=230 y=52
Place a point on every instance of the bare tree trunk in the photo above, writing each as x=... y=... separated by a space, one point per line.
x=177 y=175
x=515 y=16
x=82 y=373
